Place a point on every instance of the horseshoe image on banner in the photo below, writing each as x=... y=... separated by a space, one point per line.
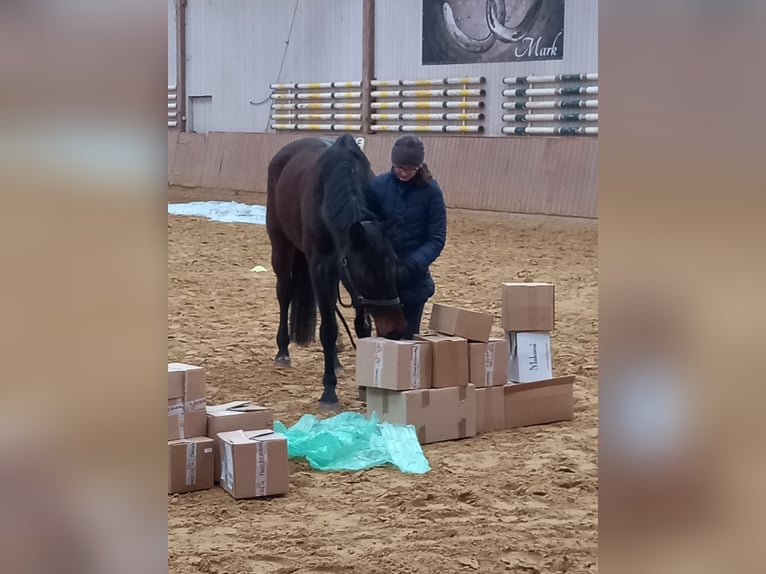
x=496 y=21
x=464 y=40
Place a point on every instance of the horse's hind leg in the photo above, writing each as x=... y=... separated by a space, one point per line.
x=282 y=261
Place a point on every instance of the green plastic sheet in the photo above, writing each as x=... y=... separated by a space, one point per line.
x=350 y=441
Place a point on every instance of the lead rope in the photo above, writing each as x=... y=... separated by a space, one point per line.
x=343 y=320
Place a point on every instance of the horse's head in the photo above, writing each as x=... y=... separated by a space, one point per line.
x=368 y=269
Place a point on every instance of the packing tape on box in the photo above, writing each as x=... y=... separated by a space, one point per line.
x=227 y=466
x=197 y=405
x=176 y=409
x=377 y=365
x=261 y=465
x=191 y=463
x=489 y=364
x=415 y=368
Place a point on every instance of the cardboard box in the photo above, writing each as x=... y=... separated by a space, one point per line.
x=237 y=415
x=395 y=365
x=490 y=409
x=538 y=403
x=530 y=357
x=449 y=360
x=470 y=325
x=488 y=363
x=528 y=307
x=190 y=464
x=436 y=414
x=186 y=401
x=254 y=463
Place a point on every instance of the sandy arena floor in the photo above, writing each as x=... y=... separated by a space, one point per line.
x=521 y=500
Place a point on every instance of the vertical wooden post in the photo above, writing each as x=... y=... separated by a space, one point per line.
x=181 y=63
x=368 y=60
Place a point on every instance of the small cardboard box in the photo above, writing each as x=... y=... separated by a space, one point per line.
x=488 y=363
x=186 y=401
x=530 y=357
x=540 y=402
x=470 y=325
x=436 y=414
x=395 y=365
x=449 y=360
x=490 y=409
x=254 y=463
x=237 y=415
x=190 y=464
x=528 y=306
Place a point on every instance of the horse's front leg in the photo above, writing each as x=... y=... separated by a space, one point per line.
x=325 y=283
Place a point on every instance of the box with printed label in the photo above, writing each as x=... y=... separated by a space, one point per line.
x=540 y=402
x=436 y=414
x=254 y=463
x=449 y=360
x=490 y=409
x=488 y=363
x=190 y=464
x=528 y=307
x=186 y=401
x=236 y=415
x=395 y=365
x=471 y=325
x=530 y=357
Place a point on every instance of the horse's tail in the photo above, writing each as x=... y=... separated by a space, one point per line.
x=303 y=311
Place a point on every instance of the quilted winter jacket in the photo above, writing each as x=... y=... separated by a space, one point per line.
x=417 y=231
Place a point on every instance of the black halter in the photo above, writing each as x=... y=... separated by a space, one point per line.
x=358 y=300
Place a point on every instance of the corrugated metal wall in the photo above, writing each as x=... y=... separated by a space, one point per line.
x=172 y=52
x=235 y=49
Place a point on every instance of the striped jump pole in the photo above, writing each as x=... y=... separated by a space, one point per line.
x=319 y=127
x=549 y=104
x=430 y=82
x=428 y=117
x=315 y=85
x=574 y=91
x=427 y=104
x=593 y=77
x=550 y=131
x=550 y=117
x=429 y=129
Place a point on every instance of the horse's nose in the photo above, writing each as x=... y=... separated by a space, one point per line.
x=390 y=323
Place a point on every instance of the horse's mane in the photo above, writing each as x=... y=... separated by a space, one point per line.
x=345 y=175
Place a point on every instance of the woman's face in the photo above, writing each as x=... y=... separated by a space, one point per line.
x=405 y=172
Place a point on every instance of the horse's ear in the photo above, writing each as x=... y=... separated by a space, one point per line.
x=357 y=234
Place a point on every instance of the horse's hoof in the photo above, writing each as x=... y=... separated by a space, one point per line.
x=328 y=407
x=282 y=362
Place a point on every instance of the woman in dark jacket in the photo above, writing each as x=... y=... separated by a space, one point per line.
x=412 y=202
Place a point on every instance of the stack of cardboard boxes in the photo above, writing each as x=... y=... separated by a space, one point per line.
x=232 y=443
x=190 y=452
x=532 y=395
x=431 y=382
x=457 y=381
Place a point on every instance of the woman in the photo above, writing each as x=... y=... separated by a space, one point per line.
x=410 y=199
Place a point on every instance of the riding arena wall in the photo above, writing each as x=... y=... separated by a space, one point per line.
x=511 y=129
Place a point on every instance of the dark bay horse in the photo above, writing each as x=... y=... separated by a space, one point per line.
x=323 y=231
